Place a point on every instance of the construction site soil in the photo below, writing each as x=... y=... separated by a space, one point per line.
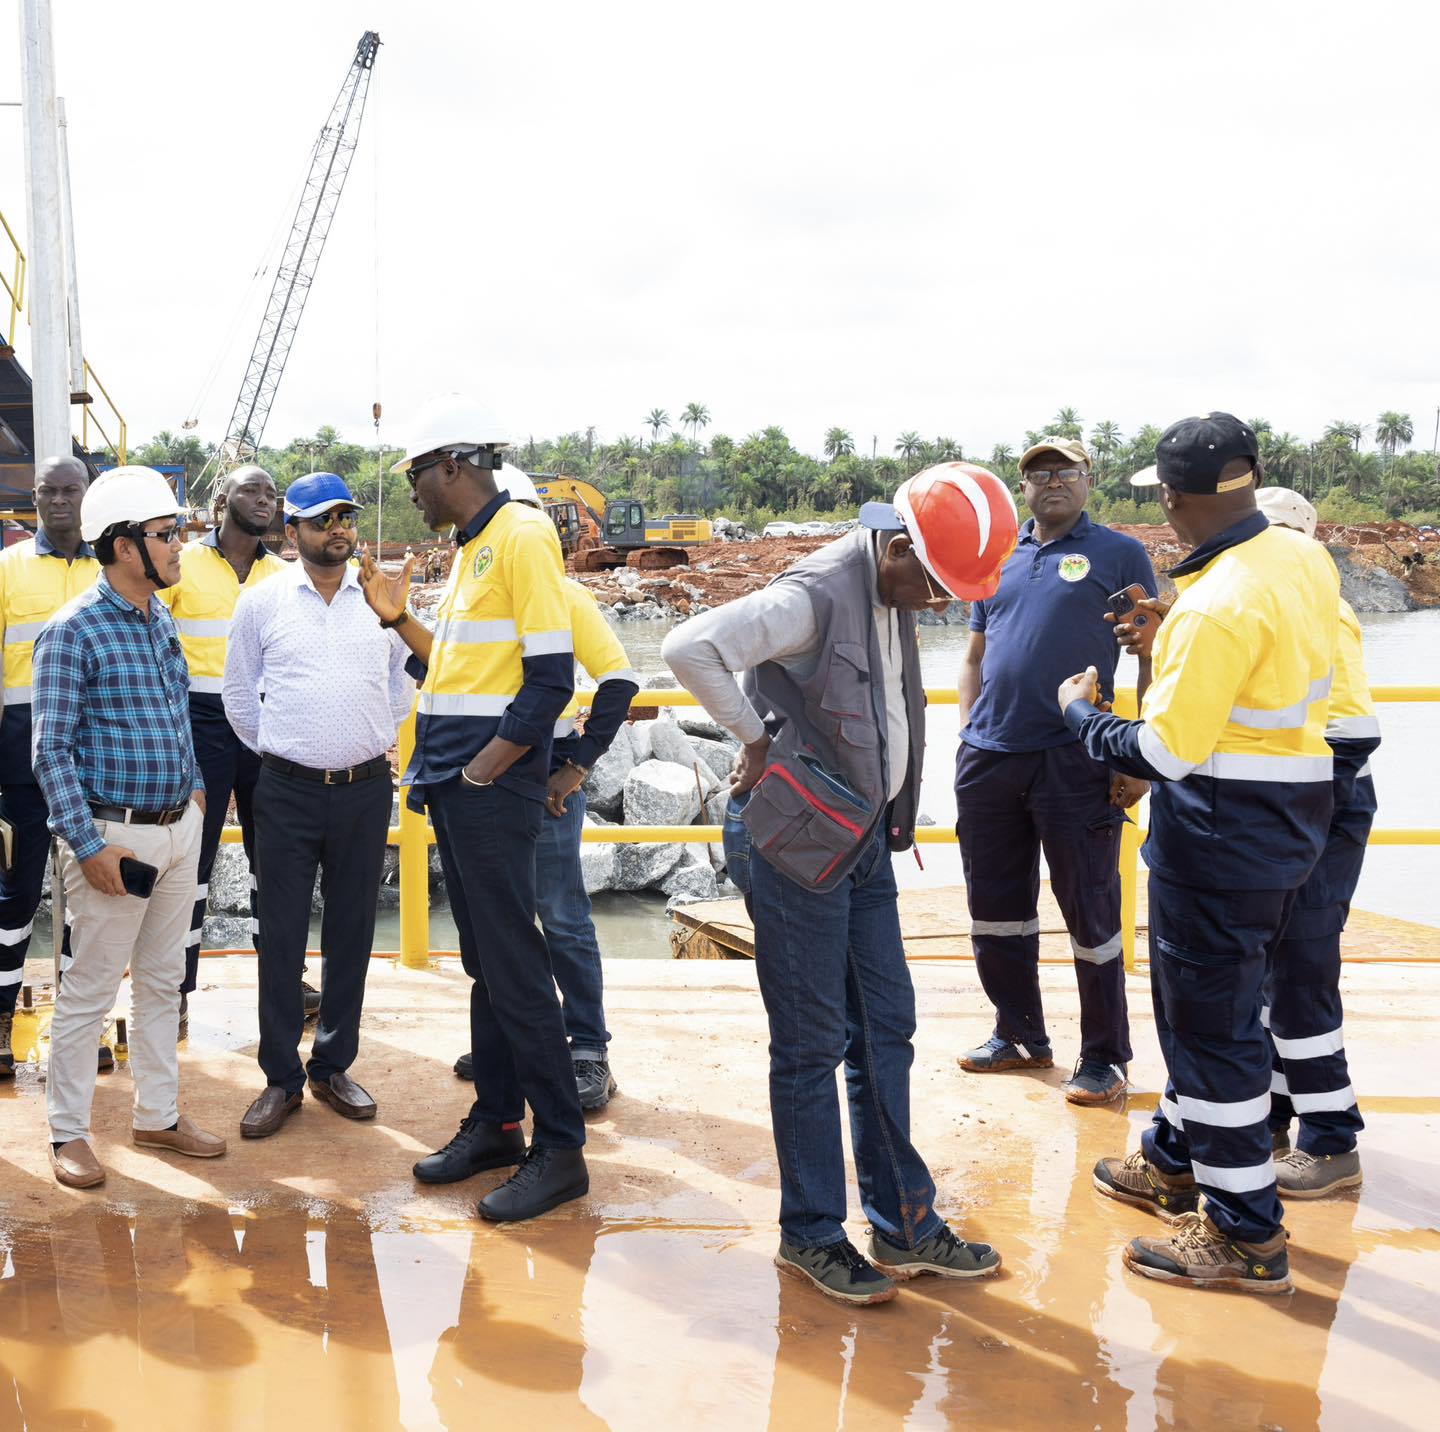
x=1377 y=555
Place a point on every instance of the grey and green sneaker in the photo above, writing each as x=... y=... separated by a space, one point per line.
x=1302 y=1175
x=942 y=1253
x=998 y=1054
x=1136 y=1181
x=838 y=1271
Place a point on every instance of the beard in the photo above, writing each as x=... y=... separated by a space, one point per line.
x=248 y=525
x=325 y=556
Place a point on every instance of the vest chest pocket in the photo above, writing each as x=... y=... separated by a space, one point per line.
x=847 y=682
x=801 y=833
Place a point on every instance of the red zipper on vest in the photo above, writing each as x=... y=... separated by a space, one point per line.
x=811 y=800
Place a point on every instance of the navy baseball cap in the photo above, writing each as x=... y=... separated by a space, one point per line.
x=1192 y=453
x=315 y=493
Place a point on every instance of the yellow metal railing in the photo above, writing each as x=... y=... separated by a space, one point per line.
x=414 y=835
x=15 y=289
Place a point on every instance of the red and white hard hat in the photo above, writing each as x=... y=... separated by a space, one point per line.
x=963 y=523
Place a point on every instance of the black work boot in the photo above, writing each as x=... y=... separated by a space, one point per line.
x=465 y=1067
x=547 y=1178
x=476 y=1147
x=594 y=1083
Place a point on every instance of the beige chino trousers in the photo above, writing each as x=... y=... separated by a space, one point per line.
x=107 y=934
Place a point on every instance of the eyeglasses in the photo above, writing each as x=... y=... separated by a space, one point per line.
x=336 y=517
x=413 y=475
x=167 y=535
x=1067 y=475
x=937 y=592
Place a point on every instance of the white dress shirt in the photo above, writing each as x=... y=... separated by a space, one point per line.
x=334 y=680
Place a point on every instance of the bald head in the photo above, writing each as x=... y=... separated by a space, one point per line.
x=60 y=484
x=247 y=499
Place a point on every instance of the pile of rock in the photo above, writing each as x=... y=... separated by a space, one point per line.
x=663 y=772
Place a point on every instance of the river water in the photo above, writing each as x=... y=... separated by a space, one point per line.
x=1400 y=649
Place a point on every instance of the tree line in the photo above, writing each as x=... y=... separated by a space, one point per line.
x=1353 y=471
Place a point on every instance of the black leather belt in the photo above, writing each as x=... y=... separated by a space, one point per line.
x=367 y=770
x=129 y=816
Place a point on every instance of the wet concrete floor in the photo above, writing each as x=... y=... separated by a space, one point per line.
x=306 y=1279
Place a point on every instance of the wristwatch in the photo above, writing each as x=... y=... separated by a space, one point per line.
x=398 y=621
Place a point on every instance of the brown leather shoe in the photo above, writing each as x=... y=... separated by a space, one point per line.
x=268 y=1112
x=185 y=1138
x=75 y=1165
x=345 y=1096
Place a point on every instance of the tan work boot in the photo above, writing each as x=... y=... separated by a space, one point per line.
x=1300 y=1175
x=1136 y=1181
x=75 y=1165
x=185 y=1138
x=1197 y=1254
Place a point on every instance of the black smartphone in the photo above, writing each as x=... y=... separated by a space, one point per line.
x=1122 y=603
x=137 y=877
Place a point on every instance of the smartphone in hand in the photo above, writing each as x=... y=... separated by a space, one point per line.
x=1122 y=604
x=137 y=877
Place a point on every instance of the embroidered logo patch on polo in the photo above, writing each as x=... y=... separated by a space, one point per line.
x=1073 y=567
x=486 y=555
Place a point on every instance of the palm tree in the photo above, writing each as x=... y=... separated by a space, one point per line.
x=657 y=419
x=564 y=451
x=1349 y=432
x=695 y=417
x=1392 y=430
x=838 y=443
x=1066 y=424
x=910 y=445
x=947 y=450
x=1002 y=455
x=1261 y=426
x=1105 y=438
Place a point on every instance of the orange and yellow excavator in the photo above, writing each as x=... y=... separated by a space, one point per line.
x=599 y=533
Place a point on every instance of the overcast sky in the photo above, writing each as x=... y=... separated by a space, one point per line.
x=953 y=218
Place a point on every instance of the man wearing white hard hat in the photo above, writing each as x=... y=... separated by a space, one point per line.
x=114 y=758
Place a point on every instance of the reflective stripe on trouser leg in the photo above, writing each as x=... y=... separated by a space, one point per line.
x=1311 y=1078
x=1069 y=802
x=1208 y=956
x=1000 y=852
x=24 y=808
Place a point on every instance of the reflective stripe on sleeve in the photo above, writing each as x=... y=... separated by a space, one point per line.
x=549 y=643
x=1315 y=1047
x=1216 y=1115
x=17 y=695
x=189 y=626
x=1159 y=755
x=456 y=703
x=1288 y=718
x=628 y=674
x=1249 y=1179
x=1352 y=728
x=214 y=685
x=19 y=632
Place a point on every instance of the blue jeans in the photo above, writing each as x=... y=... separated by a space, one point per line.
x=836 y=988
x=564 y=910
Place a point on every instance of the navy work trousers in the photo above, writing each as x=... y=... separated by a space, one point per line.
x=1209 y=952
x=1303 y=1011
x=836 y=988
x=300 y=827
x=228 y=767
x=487 y=838
x=23 y=806
x=1009 y=806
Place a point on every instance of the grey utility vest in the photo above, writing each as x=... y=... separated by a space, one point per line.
x=825 y=785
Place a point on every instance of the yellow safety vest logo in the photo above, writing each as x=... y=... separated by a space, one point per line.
x=483 y=559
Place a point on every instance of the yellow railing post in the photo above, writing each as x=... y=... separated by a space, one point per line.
x=414 y=869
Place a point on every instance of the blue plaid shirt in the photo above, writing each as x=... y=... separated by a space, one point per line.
x=111 y=714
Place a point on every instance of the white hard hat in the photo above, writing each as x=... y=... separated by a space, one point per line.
x=518 y=485
x=1286 y=508
x=452 y=423
x=125 y=494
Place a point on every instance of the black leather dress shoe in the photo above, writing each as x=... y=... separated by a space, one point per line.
x=547 y=1178
x=474 y=1149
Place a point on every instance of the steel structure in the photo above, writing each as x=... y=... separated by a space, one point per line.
x=329 y=164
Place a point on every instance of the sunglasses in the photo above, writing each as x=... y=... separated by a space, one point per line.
x=166 y=535
x=336 y=517
x=413 y=475
x=1041 y=478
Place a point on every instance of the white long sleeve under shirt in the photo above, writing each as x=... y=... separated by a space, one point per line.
x=334 y=680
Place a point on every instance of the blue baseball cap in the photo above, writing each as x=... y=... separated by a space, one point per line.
x=315 y=493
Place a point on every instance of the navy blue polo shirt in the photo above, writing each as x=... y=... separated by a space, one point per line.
x=1046 y=623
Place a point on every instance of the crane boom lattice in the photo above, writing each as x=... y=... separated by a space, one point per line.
x=329 y=165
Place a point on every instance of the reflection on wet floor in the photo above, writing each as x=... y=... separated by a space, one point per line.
x=196 y=1317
